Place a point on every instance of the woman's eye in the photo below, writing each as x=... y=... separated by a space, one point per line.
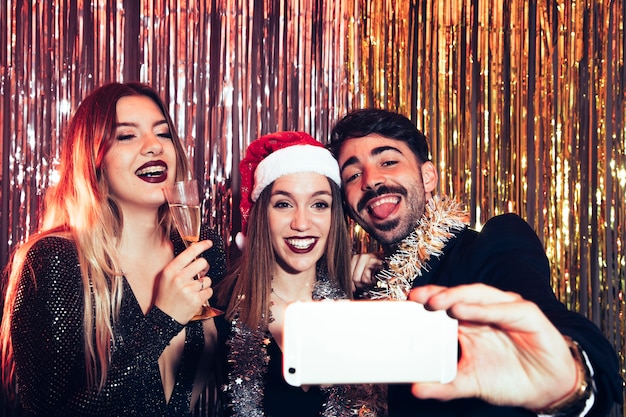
x=125 y=137
x=281 y=204
x=321 y=205
x=167 y=135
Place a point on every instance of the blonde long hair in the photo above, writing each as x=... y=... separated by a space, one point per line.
x=80 y=208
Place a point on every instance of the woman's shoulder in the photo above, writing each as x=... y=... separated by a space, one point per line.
x=52 y=247
x=54 y=241
x=50 y=267
x=216 y=255
x=207 y=232
x=52 y=254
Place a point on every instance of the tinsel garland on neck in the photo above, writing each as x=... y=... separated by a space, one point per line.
x=443 y=217
x=248 y=360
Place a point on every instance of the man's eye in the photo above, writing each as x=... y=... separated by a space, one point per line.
x=352 y=177
x=389 y=163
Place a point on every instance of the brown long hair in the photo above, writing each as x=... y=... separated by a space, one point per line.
x=80 y=208
x=247 y=288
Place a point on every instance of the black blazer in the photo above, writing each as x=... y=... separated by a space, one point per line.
x=507 y=254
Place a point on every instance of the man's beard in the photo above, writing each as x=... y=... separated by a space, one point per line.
x=402 y=226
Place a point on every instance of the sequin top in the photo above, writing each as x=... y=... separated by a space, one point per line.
x=47 y=338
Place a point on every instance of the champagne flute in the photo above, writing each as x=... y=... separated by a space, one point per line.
x=184 y=203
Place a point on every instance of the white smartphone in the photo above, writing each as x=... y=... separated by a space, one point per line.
x=351 y=342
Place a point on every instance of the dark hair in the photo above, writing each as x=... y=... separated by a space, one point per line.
x=363 y=122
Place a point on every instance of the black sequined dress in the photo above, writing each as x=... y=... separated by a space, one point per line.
x=47 y=333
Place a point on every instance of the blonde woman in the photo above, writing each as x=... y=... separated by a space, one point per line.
x=98 y=305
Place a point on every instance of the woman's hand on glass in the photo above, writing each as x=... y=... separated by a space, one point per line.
x=183 y=287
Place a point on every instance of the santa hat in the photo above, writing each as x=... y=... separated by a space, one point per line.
x=272 y=156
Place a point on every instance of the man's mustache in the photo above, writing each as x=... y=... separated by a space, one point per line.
x=382 y=190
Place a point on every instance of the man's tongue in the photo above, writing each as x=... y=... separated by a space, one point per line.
x=383 y=210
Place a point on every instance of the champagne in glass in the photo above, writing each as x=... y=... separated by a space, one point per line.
x=184 y=203
x=187 y=221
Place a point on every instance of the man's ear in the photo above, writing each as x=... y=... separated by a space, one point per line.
x=429 y=176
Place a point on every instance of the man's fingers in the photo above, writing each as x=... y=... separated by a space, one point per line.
x=442 y=298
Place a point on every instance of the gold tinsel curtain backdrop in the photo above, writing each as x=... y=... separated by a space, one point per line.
x=523 y=101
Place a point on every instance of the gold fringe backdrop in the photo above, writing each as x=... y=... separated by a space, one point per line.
x=523 y=101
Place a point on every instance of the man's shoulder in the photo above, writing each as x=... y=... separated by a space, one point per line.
x=503 y=236
x=509 y=228
x=508 y=220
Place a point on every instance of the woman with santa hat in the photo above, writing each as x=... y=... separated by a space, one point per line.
x=296 y=248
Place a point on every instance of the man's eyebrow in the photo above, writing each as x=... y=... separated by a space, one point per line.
x=381 y=149
x=375 y=152
x=350 y=161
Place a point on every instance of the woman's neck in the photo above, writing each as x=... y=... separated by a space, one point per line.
x=140 y=233
x=294 y=287
x=143 y=251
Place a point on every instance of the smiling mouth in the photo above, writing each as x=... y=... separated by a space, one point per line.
x=301 y=245
x=151 y=171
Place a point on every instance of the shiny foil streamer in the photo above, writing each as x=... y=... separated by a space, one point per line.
x=523 y=102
